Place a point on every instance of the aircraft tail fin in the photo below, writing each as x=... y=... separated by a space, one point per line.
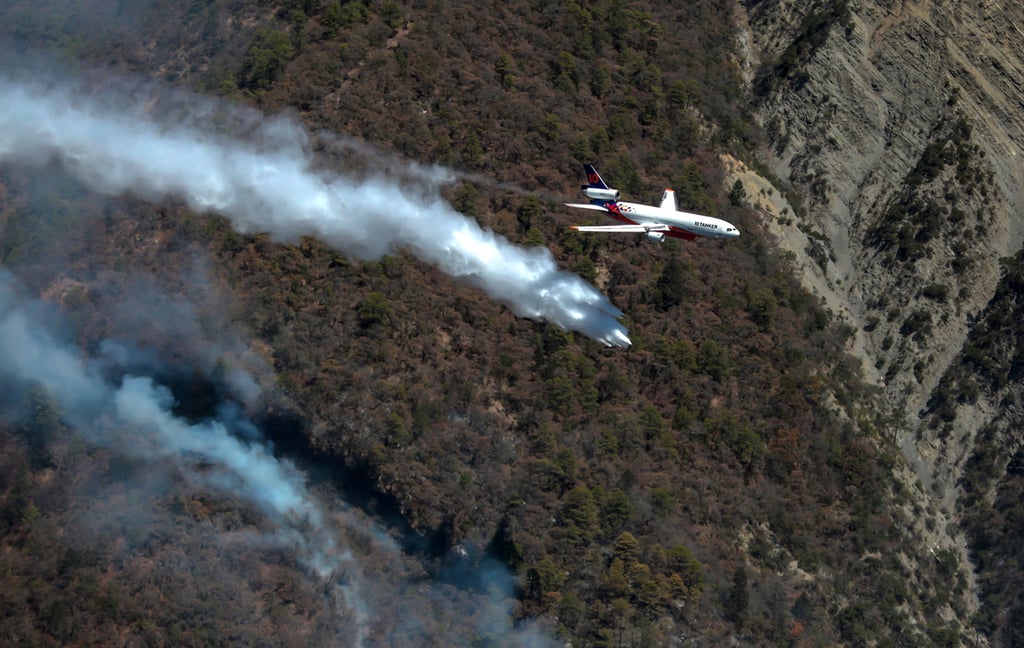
x=594 y=178
x=596 y=189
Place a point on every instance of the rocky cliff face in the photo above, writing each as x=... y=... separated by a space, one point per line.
x=901 y=126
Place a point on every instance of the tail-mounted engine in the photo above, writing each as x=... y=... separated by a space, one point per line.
x=597 y=193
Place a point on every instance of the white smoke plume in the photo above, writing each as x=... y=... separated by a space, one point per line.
x=135 y=413
x=116 y=141
x=110 y=399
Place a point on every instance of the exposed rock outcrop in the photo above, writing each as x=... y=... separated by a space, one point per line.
x=901 y=125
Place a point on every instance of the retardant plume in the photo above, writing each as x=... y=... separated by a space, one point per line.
x=118 y=140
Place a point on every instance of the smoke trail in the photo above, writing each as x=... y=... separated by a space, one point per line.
x=115 y=142
x=135 y=414
x=109 y=399
x=373 y=161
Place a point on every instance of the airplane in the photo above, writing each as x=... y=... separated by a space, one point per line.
x=655 y=222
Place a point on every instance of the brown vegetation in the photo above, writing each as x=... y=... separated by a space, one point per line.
x=721 y=477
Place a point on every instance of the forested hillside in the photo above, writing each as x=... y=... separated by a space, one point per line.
x=485 y=479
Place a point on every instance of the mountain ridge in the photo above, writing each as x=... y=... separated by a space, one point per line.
x=919 y=218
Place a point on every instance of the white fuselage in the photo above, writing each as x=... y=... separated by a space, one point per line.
x=695 y=224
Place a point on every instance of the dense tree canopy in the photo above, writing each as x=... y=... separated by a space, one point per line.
x=722 y=477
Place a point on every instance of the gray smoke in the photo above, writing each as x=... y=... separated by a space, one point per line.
x=109 y=399
x=135 y=414
x=258 y=172
x=158 y=143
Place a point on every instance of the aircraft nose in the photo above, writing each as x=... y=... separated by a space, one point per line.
x=732 y=232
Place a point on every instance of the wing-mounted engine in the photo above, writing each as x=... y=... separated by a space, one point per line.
x=598 y=193
x=656 y=236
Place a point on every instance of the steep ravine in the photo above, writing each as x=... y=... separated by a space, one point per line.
x=900 y=124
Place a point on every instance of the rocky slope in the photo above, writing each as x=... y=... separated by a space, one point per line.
x=899 y=123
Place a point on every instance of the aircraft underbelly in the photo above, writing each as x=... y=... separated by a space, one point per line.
x=676 y=232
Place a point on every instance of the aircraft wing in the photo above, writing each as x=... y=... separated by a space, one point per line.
x=641 y=229
x=600 y=208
